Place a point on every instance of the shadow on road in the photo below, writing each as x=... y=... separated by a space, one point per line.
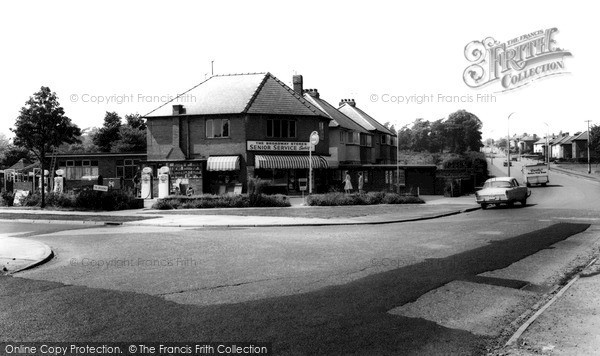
x=547 y=186
x=345 y=319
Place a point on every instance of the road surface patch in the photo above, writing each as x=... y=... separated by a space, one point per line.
x=478 y=308
x=541 y=268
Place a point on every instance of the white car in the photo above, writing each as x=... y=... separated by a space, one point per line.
x=502 y=190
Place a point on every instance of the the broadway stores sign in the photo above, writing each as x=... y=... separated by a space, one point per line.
x=278 y=146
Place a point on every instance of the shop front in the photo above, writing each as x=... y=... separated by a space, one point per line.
x=223 y=175
x=284 y=172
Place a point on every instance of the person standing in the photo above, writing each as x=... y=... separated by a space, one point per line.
x=347 y=183
x=361 y=182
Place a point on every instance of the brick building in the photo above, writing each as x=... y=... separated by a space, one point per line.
x=236 y=127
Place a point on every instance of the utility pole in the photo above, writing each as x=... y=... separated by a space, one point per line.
x=588 y=147
x=547 y=148
x=508 y=143
x=212 y=68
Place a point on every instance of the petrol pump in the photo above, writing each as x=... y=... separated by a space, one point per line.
x=164 y=182
x=59 y=182
x=146 y=183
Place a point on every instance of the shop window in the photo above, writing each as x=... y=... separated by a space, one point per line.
x=342 y=134
x=279 y=128
x=74 y=170
x=369 y=141
x=217 y=128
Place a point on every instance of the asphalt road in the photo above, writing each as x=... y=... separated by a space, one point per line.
x=321 y=290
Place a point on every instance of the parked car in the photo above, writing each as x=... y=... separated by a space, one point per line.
x=506 y=163
x=502 y=190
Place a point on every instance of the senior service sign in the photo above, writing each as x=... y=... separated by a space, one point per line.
x=279 y=146
x=514 y=63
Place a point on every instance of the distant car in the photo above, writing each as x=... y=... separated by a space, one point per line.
x=502 y=190
x=506 y=163
x=514 y=158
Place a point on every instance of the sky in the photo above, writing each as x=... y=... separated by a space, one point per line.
x=130 y=57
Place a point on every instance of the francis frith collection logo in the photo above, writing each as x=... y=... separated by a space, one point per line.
x=514 y=63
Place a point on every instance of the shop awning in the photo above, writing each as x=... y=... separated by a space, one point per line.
x=288 y=162
x=223 y=163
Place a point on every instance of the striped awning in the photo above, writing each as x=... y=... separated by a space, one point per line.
x=223 y=163
x=288 y=162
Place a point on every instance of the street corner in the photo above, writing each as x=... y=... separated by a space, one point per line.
x=17 y=254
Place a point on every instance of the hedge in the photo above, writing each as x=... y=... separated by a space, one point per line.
x=221 y=201
x=86 y=200
x=371 y=198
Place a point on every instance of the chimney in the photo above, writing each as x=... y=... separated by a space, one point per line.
x=178 y=110
x=312 y=92
x=297 y=80
x=350 y=102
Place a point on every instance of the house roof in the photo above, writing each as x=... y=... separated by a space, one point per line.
x=556 y=140
x=568 y=140
x=529 y=138
x=363 y=119
x=541 y=141
x=581 y=137
x=254 y=93
x=21 y=165
x=338 y=119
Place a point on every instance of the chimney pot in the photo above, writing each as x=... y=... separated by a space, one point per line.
x=178 y=109
x=312 y=92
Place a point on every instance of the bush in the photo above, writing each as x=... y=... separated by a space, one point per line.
x=111 y=200
x=7 y=198
x=33 y=199
x=221 y=201
x=455 y=162
x=371 y=198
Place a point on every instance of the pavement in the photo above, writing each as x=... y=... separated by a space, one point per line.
x=17 y=254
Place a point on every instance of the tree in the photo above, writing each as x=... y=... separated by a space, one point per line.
x=136 y=121
x=132 y=135
x=404 y=138
x=594 y=136
x=464 y=132
x=42 y=126
x=131 y=140
x=108 y=133
x=85 y=146
x=437 y=138
x=420 y=132
x=501 y=143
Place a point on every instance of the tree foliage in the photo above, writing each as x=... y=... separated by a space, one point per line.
x=460 y=133
x=108 y=133
x=11 y=154
x=114 y=136
x=42 y=126
x=594 y=141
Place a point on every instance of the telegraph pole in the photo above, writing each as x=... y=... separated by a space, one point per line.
x=508 y=143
